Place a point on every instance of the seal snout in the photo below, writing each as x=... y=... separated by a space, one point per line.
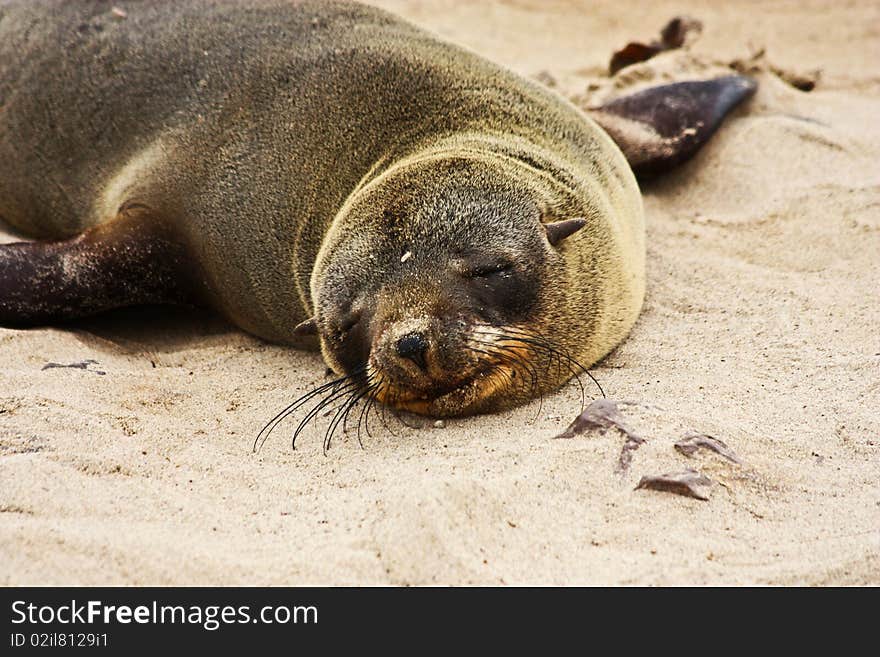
x=407 y=352
x=419 y=358
x=413 y=346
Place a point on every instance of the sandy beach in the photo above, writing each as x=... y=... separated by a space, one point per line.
x=760 y=328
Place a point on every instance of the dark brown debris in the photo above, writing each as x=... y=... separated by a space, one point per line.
x=601 y=415
x=805 y=81
x=82 y=365
x=696 y=441
x=757 y=63
x=633 y=53
x=629 y=446
x=680 y=31
x=689 y=483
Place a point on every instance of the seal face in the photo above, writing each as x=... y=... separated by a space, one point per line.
x=459 y=238
x=452 y=255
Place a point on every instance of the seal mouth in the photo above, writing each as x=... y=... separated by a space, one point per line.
x=458 y=399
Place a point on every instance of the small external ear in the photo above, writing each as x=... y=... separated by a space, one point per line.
x=308 y=327
x=559 y=230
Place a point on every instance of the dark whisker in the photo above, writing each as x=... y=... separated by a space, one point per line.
x=513 y=357
x=366 y=388
x=513 y=361
x=574 y=370
x=557 y=354
x=516 y=359
x=389 y=403
x=341 y=414
x=364 y=417
x=562 y=357
x=335 y=395
x=269 y=427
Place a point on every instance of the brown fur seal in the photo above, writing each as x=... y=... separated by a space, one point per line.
x=461 y=239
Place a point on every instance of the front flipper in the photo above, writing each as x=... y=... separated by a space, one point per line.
x=661 y=127
x=128 y=261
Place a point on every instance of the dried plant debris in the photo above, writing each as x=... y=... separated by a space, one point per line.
x=696 y=441
x=82 y=365
x=680 y=31
x=758 y=63
x=801 y=81
x=689 y=483
x=601 y=415
x=625 y=459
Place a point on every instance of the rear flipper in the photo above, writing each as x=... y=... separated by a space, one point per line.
x=128 y=261
x=661 y=127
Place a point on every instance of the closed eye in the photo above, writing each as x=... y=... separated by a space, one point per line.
x=485 y=271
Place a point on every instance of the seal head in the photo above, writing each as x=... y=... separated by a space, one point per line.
x=427 y=294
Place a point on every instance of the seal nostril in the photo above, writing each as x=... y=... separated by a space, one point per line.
x=413 y=346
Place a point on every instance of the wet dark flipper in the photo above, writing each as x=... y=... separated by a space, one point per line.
x=125 y=262
x=661 y=127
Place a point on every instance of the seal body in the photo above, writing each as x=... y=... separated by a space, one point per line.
x=249 y=124
x=321 y=160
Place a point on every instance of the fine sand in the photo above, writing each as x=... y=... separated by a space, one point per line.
x=760 y=328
